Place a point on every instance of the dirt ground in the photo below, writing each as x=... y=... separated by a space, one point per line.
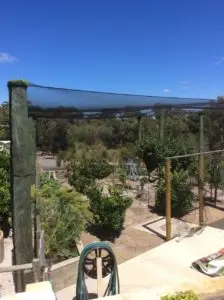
x=6 y=280
x=133 y=242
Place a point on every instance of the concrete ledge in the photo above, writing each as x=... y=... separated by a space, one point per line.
x=204 y=289
x=210 y=286
x=1 y=246
x=39 y=290
x=64 y=273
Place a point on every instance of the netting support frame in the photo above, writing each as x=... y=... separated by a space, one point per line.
x=22 y=176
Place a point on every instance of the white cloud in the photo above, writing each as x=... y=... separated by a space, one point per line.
x=7 y=58
x=166 y=90
x=184 y=82
x=219 y=61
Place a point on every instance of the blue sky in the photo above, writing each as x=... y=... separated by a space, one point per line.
x=155 y=47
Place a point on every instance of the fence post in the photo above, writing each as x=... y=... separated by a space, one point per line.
x=36 y=270
x=201 y=173
x=168 y=201
x=21 y=173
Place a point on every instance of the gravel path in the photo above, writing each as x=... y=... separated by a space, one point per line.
x=6 y=280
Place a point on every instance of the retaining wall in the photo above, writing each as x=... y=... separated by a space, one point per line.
x=64 y=273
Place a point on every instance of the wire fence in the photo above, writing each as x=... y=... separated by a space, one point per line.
x=202 y=195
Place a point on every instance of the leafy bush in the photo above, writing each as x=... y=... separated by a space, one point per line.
x=154 y=151
x=108 y=210
x=214 y=175
x=143 y=181
x=63 y=215
x=123 y=175
x=47 y=182
x=188 y=295
x=181 y=194
x=86 y=172
x=5 y=211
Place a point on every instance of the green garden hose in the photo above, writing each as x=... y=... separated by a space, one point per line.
x=109 y=264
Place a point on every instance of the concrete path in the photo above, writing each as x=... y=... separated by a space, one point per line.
x=166 y=268
x=6 y=280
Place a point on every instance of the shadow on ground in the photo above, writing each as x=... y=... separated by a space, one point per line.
x=90 y=296
x=103 y=234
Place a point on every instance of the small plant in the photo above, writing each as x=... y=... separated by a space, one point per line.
x=123 y=176
x=181 y=195
x=143 y=172
x=188 y=295
x=109 y=210
x=143 y=181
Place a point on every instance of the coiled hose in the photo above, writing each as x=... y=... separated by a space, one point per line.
x=113 y=286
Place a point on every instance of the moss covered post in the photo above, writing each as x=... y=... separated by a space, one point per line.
x=21 y=174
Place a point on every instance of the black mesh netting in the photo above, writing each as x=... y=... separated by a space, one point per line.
x=58 y=102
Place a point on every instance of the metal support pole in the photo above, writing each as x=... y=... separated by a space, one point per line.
x=201 y=172
x=168 y=200
x=21 y=174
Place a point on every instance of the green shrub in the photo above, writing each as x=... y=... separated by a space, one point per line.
x=181 y=194
x=86 y=172
x=63 y=216
x=143 y=172
x=5 y=207
x=214 y=175
x=154 y=151
x=188 y=295
x=108 y=210
x=143 y=181
x=123 y=175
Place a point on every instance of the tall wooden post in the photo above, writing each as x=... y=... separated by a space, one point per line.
x=32 y=137
x=168 y=201
x=201 y=172
x=21 y=174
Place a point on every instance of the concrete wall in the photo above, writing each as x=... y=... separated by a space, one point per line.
x=64 y=274
x=1 y=246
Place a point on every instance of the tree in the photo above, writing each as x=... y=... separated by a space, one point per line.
x=181 y=194
x=214 y=176
x=52 y=135
x=84 y=173
x=154 y=151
